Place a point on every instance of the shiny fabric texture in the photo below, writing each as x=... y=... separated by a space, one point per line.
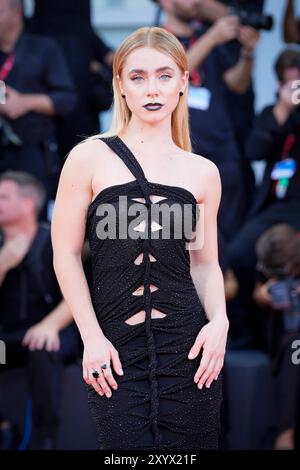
x=157 y=404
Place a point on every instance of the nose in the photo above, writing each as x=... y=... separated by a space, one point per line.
x=152 y=87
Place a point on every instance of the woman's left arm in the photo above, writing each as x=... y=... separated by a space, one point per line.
x=209 y=283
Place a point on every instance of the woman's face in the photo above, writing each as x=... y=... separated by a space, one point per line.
x=149 y=76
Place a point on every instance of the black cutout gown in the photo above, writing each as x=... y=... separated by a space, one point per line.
x=157 y=404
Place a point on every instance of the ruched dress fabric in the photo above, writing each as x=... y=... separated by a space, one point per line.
x=157 y=405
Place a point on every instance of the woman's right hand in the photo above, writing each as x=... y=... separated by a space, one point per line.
x=98 y=350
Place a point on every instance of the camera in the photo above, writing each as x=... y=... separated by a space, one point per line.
x=285 y=297
x=255 y=20
x=7 y=135
x=250 y=13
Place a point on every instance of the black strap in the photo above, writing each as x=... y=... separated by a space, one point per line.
x=121 y=149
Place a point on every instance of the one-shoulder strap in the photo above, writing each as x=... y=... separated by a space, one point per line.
x=120 y=148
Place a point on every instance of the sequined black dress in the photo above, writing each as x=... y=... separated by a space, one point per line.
x=157 y=404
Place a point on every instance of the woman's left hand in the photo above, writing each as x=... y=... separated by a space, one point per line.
x=212 y=337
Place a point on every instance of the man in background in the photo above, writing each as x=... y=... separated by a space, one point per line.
x=38 y=88
x=35 y=322
x=213 y=70
x=89 y=60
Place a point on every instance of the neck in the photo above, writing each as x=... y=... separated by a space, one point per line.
x=28 y=226
x=142 y=136
x=9 y=40
x=178 y=27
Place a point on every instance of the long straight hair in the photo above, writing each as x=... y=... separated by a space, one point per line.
x=165 y=42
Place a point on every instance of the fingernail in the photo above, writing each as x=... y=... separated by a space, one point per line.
x=100 y=393
x=108 y=395
x=200 y=386
x=207 y=385
x=115 y=387
x=121 y=372
x=191 y=356
x=195 y=379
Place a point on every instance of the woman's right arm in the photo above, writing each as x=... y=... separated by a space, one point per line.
x=73 y=197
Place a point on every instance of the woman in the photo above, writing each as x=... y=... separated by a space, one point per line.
x=144 y=325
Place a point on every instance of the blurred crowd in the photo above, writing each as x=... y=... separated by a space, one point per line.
x=57 y=73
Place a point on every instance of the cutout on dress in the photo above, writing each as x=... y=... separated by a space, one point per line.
x=142 y=226
x=138 y=199
x=139 y=259
x=156 y=199
x=139 y=317
x=140 y=290
x=155 y=226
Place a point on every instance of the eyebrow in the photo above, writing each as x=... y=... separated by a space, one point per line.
x=160 y=69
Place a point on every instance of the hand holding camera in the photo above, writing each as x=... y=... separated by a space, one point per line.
x=248 y=37
x=225 y=29
x=286 y=297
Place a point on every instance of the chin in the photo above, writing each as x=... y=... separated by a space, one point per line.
x=154 y=120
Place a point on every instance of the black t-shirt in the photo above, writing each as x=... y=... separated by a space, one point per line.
x=30 y=291
x=68 y=23
x=40 y=68
x=212 y=129
x=63 y=15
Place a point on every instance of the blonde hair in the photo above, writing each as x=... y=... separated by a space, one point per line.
x=165 y=42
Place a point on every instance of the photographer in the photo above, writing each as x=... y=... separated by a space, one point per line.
x=36 y=324
x=68 y=23
x=212 y=70
x=38 y=87
x=277 y=292
x=242 y=107
x=274 y=138
x=249 y=11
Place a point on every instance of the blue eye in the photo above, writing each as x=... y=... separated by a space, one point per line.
x=137 y=78
x=165 y=76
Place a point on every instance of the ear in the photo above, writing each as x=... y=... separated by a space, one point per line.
x=120 y=84
x=184 y=80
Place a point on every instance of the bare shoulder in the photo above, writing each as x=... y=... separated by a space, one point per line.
x=207 y=166
x=81 y=163
x=86 y=153
x=203 y=168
